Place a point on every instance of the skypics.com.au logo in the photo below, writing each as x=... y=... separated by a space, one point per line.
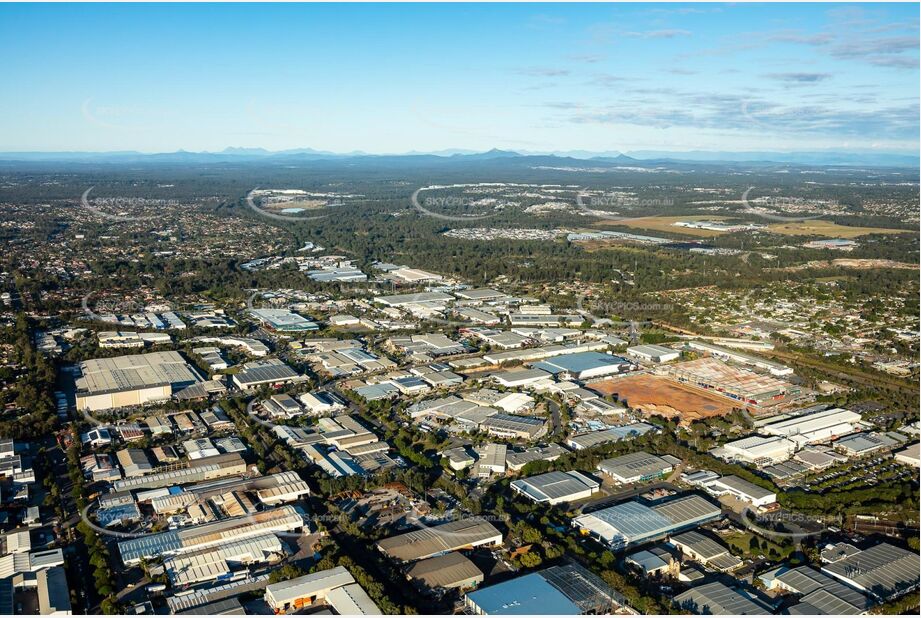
x=102 y=207
x=607 y=206
x=426 y=204
x=284 y=215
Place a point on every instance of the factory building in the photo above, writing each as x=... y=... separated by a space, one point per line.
x=550 y=351
x=819 y=593
x=718 y=599
x=585 y=365
x=705 y=550
x=815 y=427
x=270 y=371
x=758 y=450
x=556 y=487
x=883 y=571
x=122 y=381
x=334 y=587
x=771 y=367
x=741 y=489
x=568 y=590
x=195 y=471
x=638 y=467
x=452 y=571
x=737 y=383
x=653 y=353
x=614 y=434
x=282 y=320
x=630 y=523
x=437 y=540
x=513 y=426
x=224 y=560
x=218 y=533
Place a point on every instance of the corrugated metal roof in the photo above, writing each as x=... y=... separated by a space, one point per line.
x=447 y=571
x=431 y=541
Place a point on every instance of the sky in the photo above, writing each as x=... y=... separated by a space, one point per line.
x=426 y=77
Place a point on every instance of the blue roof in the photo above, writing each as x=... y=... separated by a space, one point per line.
x=577 y=363
x=530 y=594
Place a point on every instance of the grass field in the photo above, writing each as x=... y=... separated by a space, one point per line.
x=740 y=543
x=816 y=227
x=666 y=224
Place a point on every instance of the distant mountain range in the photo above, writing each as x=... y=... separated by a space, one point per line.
x=639 y=158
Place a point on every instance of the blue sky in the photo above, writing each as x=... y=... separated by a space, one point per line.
x=396 y=78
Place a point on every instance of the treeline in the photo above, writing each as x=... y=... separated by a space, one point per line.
x=31 y=393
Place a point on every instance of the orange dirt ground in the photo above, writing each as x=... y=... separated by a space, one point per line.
x=657 y=395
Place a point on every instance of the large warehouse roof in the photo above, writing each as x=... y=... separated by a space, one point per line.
x=631 y=522
x=718 y=599
x=121 y=373
x=522 y=596
x=632 y=465
x=821 y=592
x=445 y=571
x=614 y=434
x=815 y=421
x=283 y=518
x=409 y=299
x=583 y=361
x=352 y=600
x=884 y=570
x=428 y=542
x=308 y=585
x=567 y=589
x=555 y=486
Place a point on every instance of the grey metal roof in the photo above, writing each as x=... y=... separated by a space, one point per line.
x=883 y=570
x=309 y=585
x=121 y=373
x=718 y=599
x=647 y=561
x=594 y=438
x=553 y=486
x=513 y=422
x=827 y=595
x=634 y=464
x=688 y=509
x=447 y=571
x=439 y=539
x=588 y=591
x=741 y=485
x=224 y=607
x=700 y=544
x=832 y=602
x=265 y=371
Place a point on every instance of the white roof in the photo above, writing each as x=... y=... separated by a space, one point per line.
x=311 y=585
x=352 y=600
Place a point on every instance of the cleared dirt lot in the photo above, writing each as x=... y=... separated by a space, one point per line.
x=658 y=395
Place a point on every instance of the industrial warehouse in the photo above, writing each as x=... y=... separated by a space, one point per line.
x=556 y=487
x=333 y=587
x=428 y=542
x=568 y=590
x=630 y=523
x=123 y=381
x=637 y=467
x=815 y=427
x=193 y=538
